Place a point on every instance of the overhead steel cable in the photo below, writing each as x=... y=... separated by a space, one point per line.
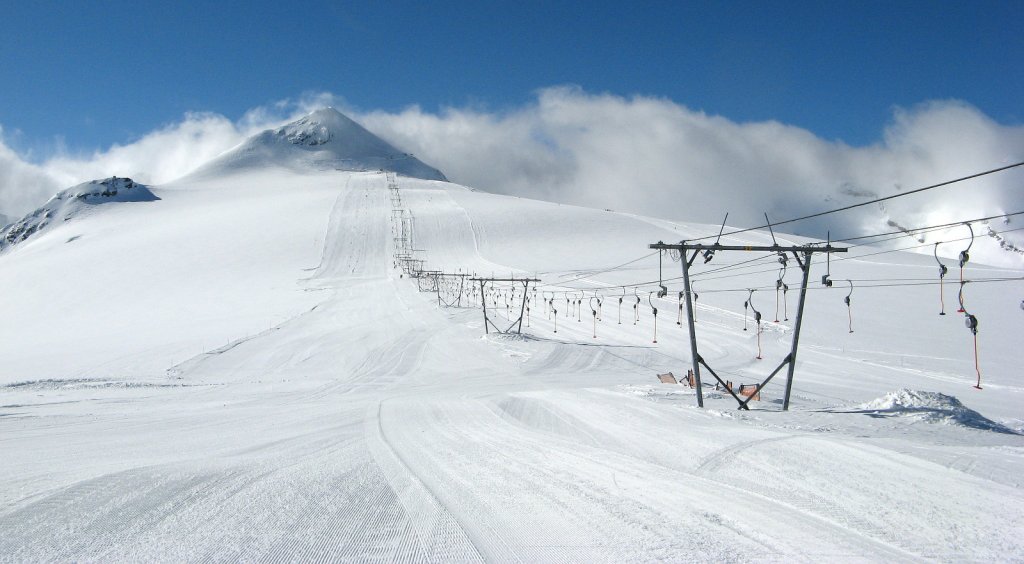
x=752 y=263
x=886 y=285
x=915 y=246
x=735 y=265
x=894 y=235
x=589 y=273
x=860 y=204
x=853 y=257
x=925 y=229
x=654 y=283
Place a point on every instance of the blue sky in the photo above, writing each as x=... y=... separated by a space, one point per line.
x=96 y=73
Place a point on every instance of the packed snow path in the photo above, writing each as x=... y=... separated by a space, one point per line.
x=365 y=423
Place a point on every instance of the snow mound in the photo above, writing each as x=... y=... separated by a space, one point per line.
x=932 y=407
x=322 y=140
x=72 y=202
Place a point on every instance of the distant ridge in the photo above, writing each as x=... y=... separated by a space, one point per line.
x=323 y=140
x=67 y=204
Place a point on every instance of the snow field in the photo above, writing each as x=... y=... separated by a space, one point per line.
x=261 y=384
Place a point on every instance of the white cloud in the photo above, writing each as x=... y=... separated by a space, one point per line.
x=159 y=156
x=22 y=185
x=639 y=154
x=655 y=157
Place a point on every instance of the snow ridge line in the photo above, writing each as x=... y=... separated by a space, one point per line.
x=178 y=370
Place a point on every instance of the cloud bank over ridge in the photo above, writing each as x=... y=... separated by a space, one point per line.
x=656 y=157
x=637 y=154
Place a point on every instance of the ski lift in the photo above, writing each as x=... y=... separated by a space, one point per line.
x=663 y=290
x=746 y=306
x=593 y=313
x=971 y=322
x=679 y=320
x=579 y=307
x=757 y=319
x=780 y=285
x=849 y=313
x=826 y=278
x=942 y=274
x=620 y=304
x=636 y=309
x=696 y=296
x=710 y=253
x=654 y=310
x=964 y=258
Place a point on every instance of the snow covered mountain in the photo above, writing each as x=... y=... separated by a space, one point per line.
x=240 y=369
x=73 y=202
x=322 y=140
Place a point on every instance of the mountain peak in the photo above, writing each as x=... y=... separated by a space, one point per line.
x=67 y=204
x=325 y=139
x=320 y=127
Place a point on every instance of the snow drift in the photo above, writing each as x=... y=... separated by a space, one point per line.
x=933 y=407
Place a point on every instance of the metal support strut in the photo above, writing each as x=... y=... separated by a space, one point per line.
x=516 y=323
x=803 y=256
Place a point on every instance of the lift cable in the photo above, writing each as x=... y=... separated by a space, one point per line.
x=588 y=273
x=866 y=203
x=886 y=285
x=892 y=236
x=752 y=262
x=929 y=228
x=652 y=283
x=854 y=257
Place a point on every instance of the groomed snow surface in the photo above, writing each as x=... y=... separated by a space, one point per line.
x=237 y=370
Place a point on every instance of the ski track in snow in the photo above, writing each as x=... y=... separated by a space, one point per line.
x=374 y=426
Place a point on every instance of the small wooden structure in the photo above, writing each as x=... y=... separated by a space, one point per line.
x=667 y=378
x=751 y=391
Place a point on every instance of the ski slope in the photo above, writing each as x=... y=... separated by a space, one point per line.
x=238 y=370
